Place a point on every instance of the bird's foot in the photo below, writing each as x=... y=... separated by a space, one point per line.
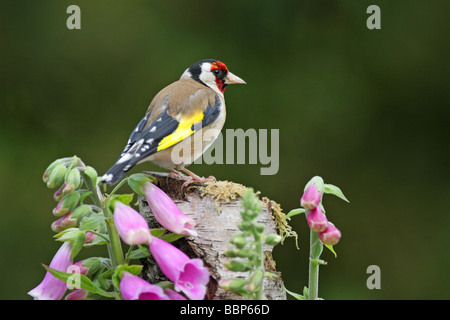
x=193 y=178
x=176 y=174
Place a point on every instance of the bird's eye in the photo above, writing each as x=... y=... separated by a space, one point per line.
x=216 y=72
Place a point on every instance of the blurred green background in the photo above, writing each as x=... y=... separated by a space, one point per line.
x=368 y=110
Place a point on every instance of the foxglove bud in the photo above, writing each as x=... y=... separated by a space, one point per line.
x=73 y=181
x=68 y=221
x=89 y=237
x=59 y=193
x=330 y=236
x=235 y=265
x=56 y=225
x=241 y=253
x=316 y=219
x=273 y=239
x=78 y=294
x=81 y=211
x=238 y=240
x=64 y=223
x=234 y=285
x=50 y=168
x=56 y=176
x=132 y=227
x=255 y=281
x=311 y=197
x=67 y=204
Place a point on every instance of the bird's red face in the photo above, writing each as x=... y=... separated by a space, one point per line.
x=220 y=71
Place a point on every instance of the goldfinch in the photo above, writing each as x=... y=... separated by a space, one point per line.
x=178 y=114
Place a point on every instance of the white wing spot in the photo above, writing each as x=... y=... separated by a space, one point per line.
x=124 y=158
x=150 y=141
x=153 y=129
x=107 y=177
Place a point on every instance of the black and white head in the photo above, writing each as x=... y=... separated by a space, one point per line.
x=212 y=73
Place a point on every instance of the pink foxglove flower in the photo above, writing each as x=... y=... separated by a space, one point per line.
x=173 y=295
x=79 y=268
x=134 y=288
x=311 y=197
x=316 y=219
x=189 y=275
x=167 y=212
x=330 y=236
x=132 y=227
x=51 y=288
x=78 y=294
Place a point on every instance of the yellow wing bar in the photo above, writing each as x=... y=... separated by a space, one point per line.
x=183 y=131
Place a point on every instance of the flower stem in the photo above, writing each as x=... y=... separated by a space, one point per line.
x=315 y=250
x=260 y=265
x=114 y=245
x=118 y=186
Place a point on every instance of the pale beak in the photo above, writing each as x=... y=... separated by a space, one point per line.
x=232 y=79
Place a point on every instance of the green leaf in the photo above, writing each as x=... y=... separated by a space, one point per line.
x=139 y=253
x=96 y=266
x=332 y=189
x=102 y=282
x=92 y=222
x=98 y=241
x=316 y=246
x=294 y=212
x=318 y=261
x=318 y=181
x=84 y=195
x=165 y=284
x=135 y=181
x=133 y=269
x=330 y=247
x=82 y=211
x=171 y=237
x=77 y=244
x=295 y=295
x=75 y=236
x=84 y=282
x=125 y=198
x=157 y=232
x=109 y=273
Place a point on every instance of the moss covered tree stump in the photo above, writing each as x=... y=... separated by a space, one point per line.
x=215 y=208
